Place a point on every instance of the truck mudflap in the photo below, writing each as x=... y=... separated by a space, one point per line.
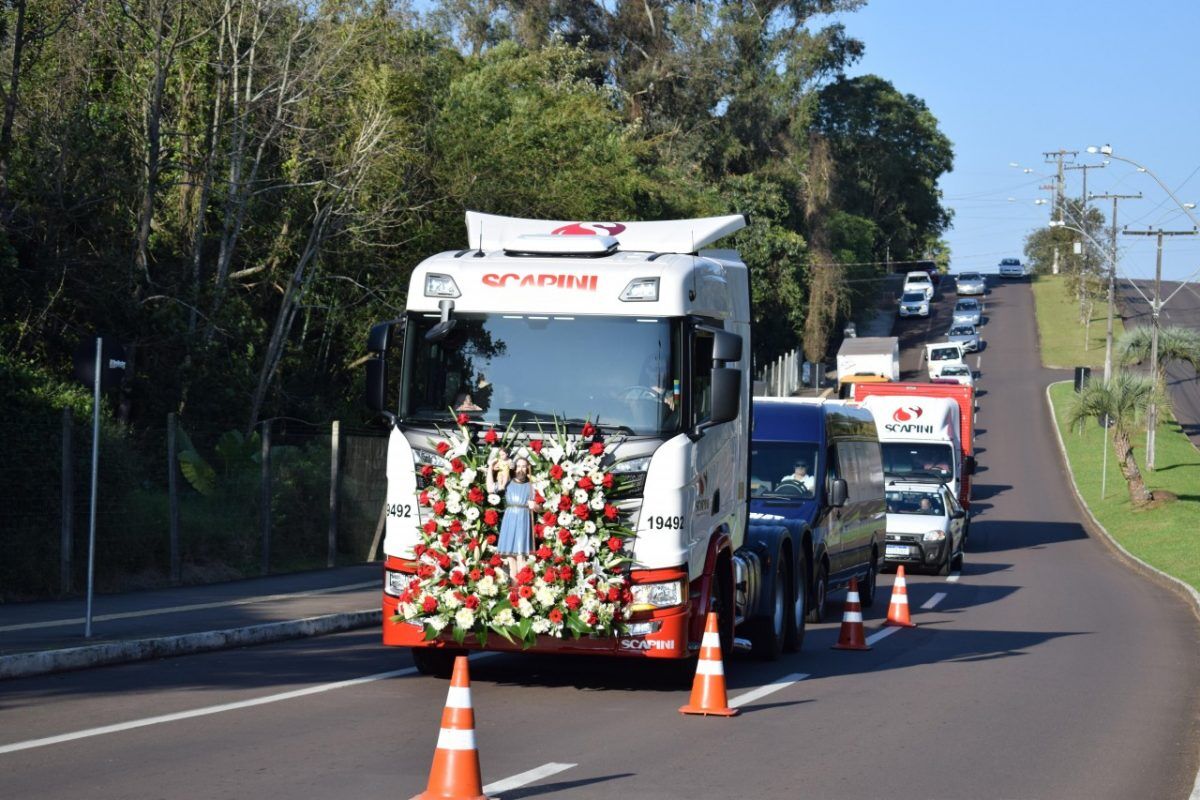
x=663 y=633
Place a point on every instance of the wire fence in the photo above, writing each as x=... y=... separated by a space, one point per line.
x=182 y=503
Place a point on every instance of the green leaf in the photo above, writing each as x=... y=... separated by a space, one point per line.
x=500 y=629
x=460 y=634
x=481 y=635
x=525 y=627
x=197 y=471
x=430 y=633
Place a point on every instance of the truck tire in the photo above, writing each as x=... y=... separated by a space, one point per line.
x=436 y=662
x=866 y=590
x=820 y=593
x=768 y=634
x=795 y=634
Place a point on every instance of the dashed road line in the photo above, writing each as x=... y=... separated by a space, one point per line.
x=525 y=778
x=953 y=577
x=882 y=633
x=149 y=612
x=770 y=688
x=933 y=601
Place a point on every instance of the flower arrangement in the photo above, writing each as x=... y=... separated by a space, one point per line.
x=573 y=579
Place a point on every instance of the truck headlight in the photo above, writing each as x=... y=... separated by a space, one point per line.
x=394 y=583
x=631 y=465
x=934 y=536
x=649 y=596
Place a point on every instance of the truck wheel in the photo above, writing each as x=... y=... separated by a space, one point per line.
x=794 y=639
x=768 y=634
x=436 y=662
x=820 y=590
x=866 y=590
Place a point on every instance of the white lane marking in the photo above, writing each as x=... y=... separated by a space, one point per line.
x=933 y=601
x=770 y=688
x=882 y=633
x=208 y=710
x=953 y=577
x=525 y=778
x=55 y=623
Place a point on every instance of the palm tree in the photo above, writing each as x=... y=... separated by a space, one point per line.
x=1123 y=400
x=1175 y=343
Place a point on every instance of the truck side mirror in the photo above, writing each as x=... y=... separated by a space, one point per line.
x=380 y=337
x=726 y=347
x=839 y=492
x=726 y=393
x=375 y=395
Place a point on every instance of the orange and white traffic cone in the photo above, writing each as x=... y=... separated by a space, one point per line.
x=852 y=636
x=708 y=690
x=898 y=608
x=455 y=772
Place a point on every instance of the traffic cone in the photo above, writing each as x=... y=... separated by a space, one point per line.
x=852 y=636
x=898 y=608
x=455 y=771
x=708 y=690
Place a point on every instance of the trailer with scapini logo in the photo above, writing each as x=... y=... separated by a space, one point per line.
x=635 y=330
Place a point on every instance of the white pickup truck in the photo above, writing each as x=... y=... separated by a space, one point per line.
x=941 y=354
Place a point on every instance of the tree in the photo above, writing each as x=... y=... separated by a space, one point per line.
x=1175 y=343
x=1123 y=401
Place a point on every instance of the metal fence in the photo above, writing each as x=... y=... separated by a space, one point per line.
x=183 y=503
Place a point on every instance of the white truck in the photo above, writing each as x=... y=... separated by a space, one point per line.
x=920 y=439
x=942 y=354
x=630 y=329
x=867 y=359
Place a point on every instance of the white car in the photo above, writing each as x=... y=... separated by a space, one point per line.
x=914 y=304
x=918 y=282
x=941 y=354
x=926 y=527
x=968 y=311
x=1012 y=268
x=956 y=373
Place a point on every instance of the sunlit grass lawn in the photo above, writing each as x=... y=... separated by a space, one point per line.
x=1167 y=536
x=1059 y=329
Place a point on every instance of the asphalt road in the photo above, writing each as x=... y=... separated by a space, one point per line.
x=1047 y=669
x=1184 y=309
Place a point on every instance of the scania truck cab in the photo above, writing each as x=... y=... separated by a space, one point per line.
x=630 y=327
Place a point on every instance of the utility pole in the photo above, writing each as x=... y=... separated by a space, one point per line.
x=1112 y=276
x=1155 y=310
x=1056 y=157
x=1083 y=223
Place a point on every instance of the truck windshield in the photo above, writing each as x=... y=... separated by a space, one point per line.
x=618 y=372
x=783 y=470
x=905 y=460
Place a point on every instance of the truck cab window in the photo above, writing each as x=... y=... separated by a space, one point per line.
x=701 y=377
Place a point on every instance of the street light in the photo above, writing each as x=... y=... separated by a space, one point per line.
x=1106 y=150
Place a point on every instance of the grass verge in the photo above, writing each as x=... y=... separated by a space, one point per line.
x=1167 y=536
x=1059 y=331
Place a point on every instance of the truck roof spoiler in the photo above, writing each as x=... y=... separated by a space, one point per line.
x=492 y=232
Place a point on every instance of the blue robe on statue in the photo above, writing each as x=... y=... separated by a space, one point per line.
x=516 y=526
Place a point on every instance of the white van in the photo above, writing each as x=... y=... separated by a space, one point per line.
x=941 y=354
x=919 y=438
x=918 y=282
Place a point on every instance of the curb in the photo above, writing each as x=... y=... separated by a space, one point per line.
x=1183 y=588
x=21 y=665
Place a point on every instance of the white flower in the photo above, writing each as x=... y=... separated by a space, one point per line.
x=453 y=497
x=541 y=625
x=407 y=610
x=580 y=496
x=589 y=527
x=493 y=499
x=597 y=476
x=544 y=596
x=465 y=618
x=453 y=507
x=597 y=502
x=504 y=618
x=437 y=623
x=487 y=586
x=568 y=483
x=524 y=608
x=468 y=476
x=472 y=512
x=564 y=520
x=450 y=601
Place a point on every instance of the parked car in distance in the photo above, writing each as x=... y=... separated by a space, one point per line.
x=970 y=283
x=958 y=373
x=925 y=527
x=966 y=335
x=1012 y=268
x=940 y=354
x=968 y=311
x=914 y=304
x=918 y=281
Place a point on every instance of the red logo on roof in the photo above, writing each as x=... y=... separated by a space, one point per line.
x=901 y=415
x=588 y=229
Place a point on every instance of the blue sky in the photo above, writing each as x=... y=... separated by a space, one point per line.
x=1009 y=80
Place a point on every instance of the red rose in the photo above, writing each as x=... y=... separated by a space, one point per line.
x=537 y=498
x=439 y=507
x=579 y=557
x=490 y=437
x=443 y=448
x=489 y=571
x=457 y=578
x=535 y=445
x=564 y=502
x=472 y=543
x=457 y=465
x=423 y=498
x=554 y=616
x=556 y=472
x=525 y=592
x=592 y=619
x=581 y=511
x=573 y=602
x=513 y=597
x=525 y=575
x=550 y=575
x=586 y=484
x=430 y=527
x=439 y=480
x=544 y=553
x=443 y=560
x=490 y=517
x=490 y=538
x=626 y=595
x=495 y=561
x=565 y=572
x=614 y=544
x=564 y=535
x=463 y=419
x=475 y=574
x=455 y=526
x=588 y=430
x=607 y=480
x=614 y=594
x=549 y=518
x=444 y=539
x=597 y=448
x=610 y=511
x=418 y=550
x=425 y=571
x=426 y=471
x=472 y=602
x=429 y=604
x=475 y=495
